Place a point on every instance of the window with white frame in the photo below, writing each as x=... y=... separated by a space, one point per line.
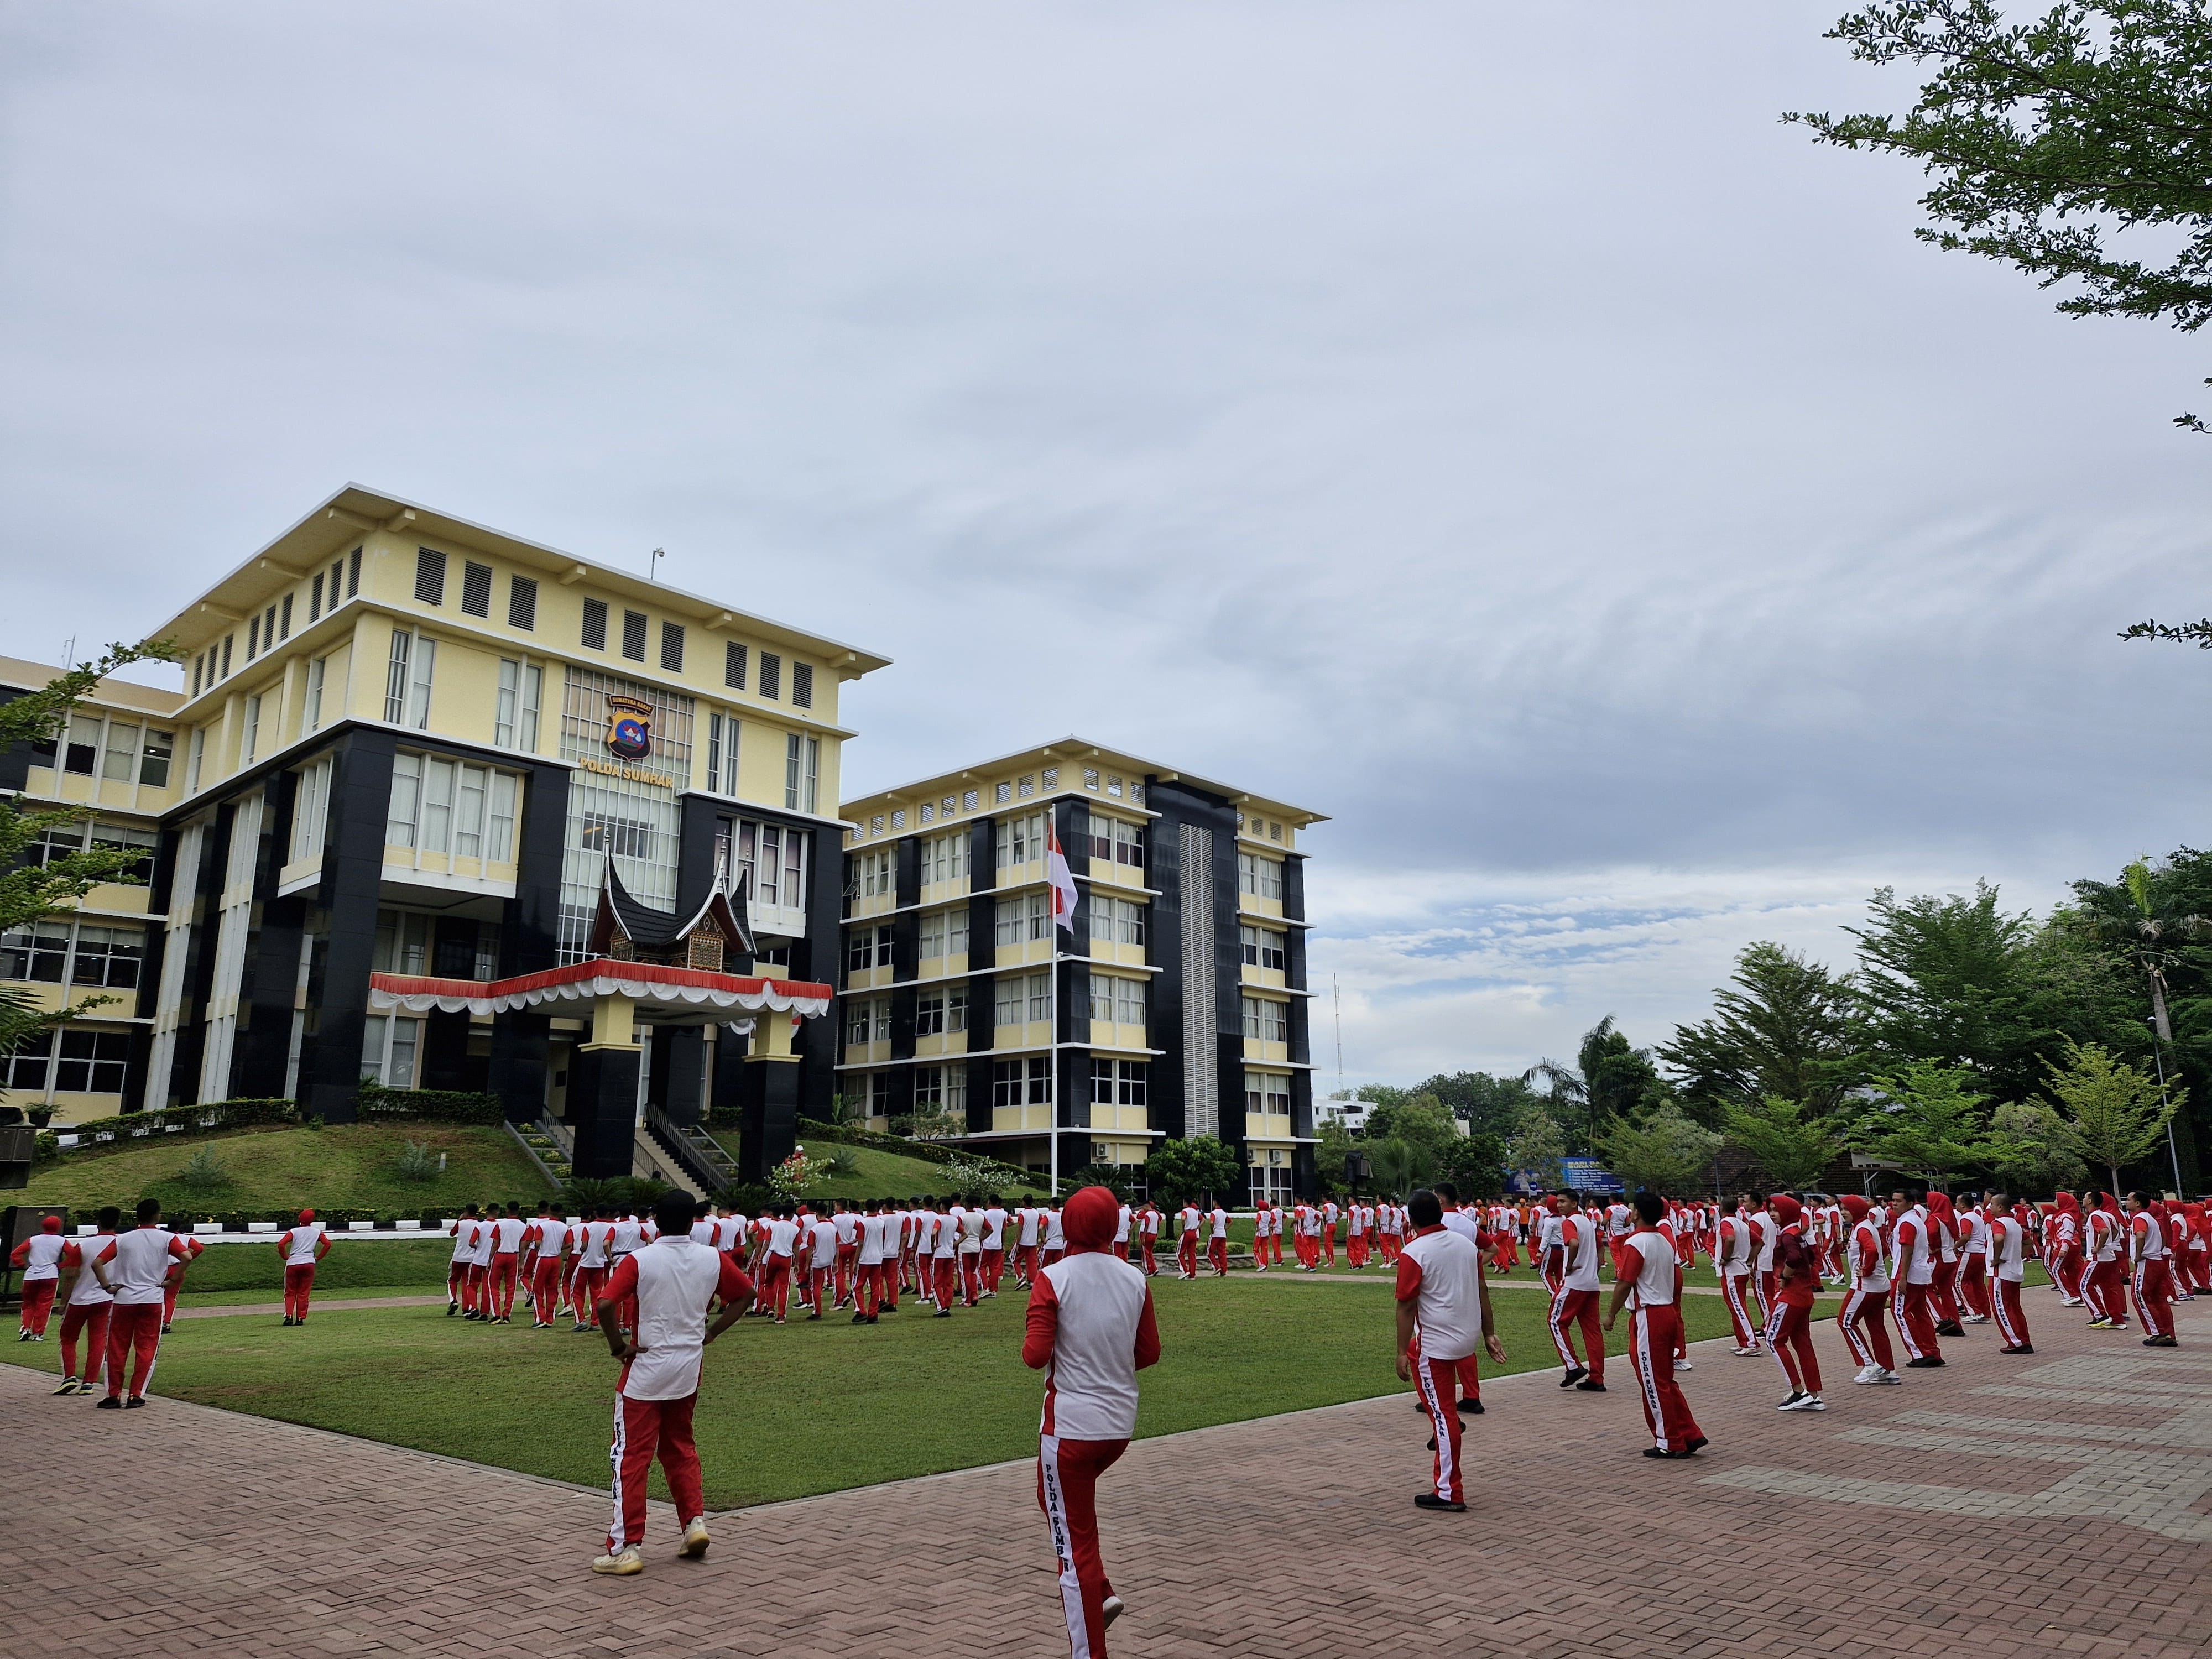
x=1118 y=1082
x=1022 y=918
x=802 y=766
x=407 y=678
x=867 y=948
x=311 y=811
x=250 y=738
x=939 y=1012
x=721 y=754
x=451 y=807
x=402 y=942
x=873 y=874
x=389 y=1045
x=1021 y=1082
x=1263 y=948
x=192 y=768
x=1262 y=878
x=1019 y=840
x=70 y=1061
x=310 y=703
x=943 y=857
x=944 y=932
x=1114 y=841
x=1115 y=921
x=1268 y=1092
x=1017 y=998
x=515 y=716
x=1267 y=1020
x=1120 y=1000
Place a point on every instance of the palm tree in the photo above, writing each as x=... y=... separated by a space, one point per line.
x=1564 y=1085
x=2150 y=932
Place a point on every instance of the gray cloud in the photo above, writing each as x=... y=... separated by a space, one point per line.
x=1492 y=429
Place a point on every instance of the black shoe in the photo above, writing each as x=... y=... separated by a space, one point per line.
x=1696 y=1446
x=1429 y=1500
x=2161 y=1342
x=133 y=1403
x=166 y=1329
x=860 y=1318
x=1654 y=1451
x=109 y=1403
x=1927 y=1362
x=1586 y=1386
x=1471 y=1405
x=1950 y=1327
x=1421 y=1406
x=944 y=1313
x=452 y=1308
x=1432 y=1443
x=2022 y=1348
x=872 y=1318
x=1575 y=1374
x=287 y=1321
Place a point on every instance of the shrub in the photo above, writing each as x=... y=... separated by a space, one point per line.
x=45 y=1145
x=204 y=1172
x=378 y=1104
x=185 y=1120
x=418 y=1162
x=927 y=1151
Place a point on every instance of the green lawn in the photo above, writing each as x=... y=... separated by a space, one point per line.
x=347 y=1165
x=381 y=1269
x=806 y=1408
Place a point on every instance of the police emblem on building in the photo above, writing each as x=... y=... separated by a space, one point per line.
x=630 y=728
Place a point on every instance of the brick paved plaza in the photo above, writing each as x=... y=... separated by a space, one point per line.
x=2056 y=1504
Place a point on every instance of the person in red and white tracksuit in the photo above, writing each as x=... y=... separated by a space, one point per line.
x=777 y=1256
x=1575 y=1302
x=299 y=1248
x=87 y=1305
x=1216 y=1241
x=1733 y=1244
x=1390 y=1234
x=669 y=1285
x=1263 y=1222
x=1973 y=1280
x=2006 y=1242
x=1912 y=1275
x=1356 y=1214
x=133 y=1267
x=545 y=1250
x=945 y=1258
x=818 y=1245
x=994 y=1246
x=194 y=1249
x=1054 y=1244
x=1148 y=1230
x=39 y=1259
x=1866 y=1297
x=1090 y=1328
x=2105 y=1278
x=502 y=1248
x=1328 y=1215
x=2062 y=1248
x=2149 y=1270
x=1653 y=1278
x=1443 y=1318
x=1547 y=1247
x=847 y=1221
x=1306 y=1237
x=1187 y=1223
x=595 y=1261
x=870 y=1253
x=1796 y=1285
x=1619 y=1223
x=1762 y=1232
x=1029 y=1227
x=460 y=1291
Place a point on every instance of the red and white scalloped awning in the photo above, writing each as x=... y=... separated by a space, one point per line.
x=668 y=995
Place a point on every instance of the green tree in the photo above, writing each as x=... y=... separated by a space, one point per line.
x=1382 y=1094
x=2050 y=141
x=1782 y=1026
x=1789 y=1148
x=2113 y=1112
x=31 y=887
x=1658 y=1150
x=1928 y=1120
x=1475 y=1163
x=1420 y=1119
x=2035 y=1152
x=1539 y=1146
x=1334 y=1145
x=1400 y=1165
x=1480 y=1101
x=1179 y=1170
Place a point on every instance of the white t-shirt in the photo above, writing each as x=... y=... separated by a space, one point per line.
x=1189 y=1216
x=300 y=1243
x=1468 y=1226
x=1618 y=1220
x=597 y=1235
x=2008 y=1245
x=87 y=1292
x=1054 y=1238
x=1578 y=1234
x=676 y=1277
x=1868 y=1270
x=43 y=1260
x=630 y=1235
x=1091 y=1384
x=464 y=1239
x=1445 y=1269
x=995 y=1227
x=506 y=1236
x=138 y=1264
x=1030 y=1219
x=971 y=1232
x=782 y=1238
x=1659 y=1275
x=1217 y=1219
x=946 y=1235
x=873 y=1230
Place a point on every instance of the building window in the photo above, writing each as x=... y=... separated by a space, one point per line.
x=1118 y=1082
x=314 y=599
x=969 y=800
x=451 y=807
x=1023 y=918
x=353 y=573
x=1019 y=841
x=944 y=932
x=1120 y=1001
x=1262 y=878
x=943 y=857
x=1002 y=792
x=388 y=1049
x=595 y=625
x=802 y=685
x=429 y=576
x=57 y=952
x=1021 y=1083
x=1116 y=921
x=311 y=811
x=251 y=739
x=1026 y=787
x=733 y=665
x=633 y=635
x=1263 y=948
x=771 y=675
x=867 y=948
x=407 y=679
x=514 y=717
x=1018 y=998
x=722 y=754
x=871 y=874
x=1268 y=1092
x=672 y=647
x=522 y=603
x=154 y=760
x=802 y=765
x=228 y=640
x=1091 y=779
x=310 y=705
x=284 y=618
x=1267 y=1021
x=1114 y=841
x=252 y=638
x=475 y=588
x=73 y=1061
x=193 y=767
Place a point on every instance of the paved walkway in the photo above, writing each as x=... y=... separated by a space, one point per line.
x=2051 y=1505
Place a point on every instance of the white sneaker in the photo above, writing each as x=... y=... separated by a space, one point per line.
x=1684 y=1365
x=1790 y=1404
x=1111 y=1609
x=695 y=1538
x=1889 y=1377
x=1811 y=1402
x=1743 y=1353
x=622 y=1563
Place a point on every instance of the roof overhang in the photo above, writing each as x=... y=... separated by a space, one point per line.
x=664 y=996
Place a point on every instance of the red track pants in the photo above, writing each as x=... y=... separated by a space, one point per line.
x=1943 y=1291
x=1217 y=1257
x=1435 y=1378
x=1067 y=1493
x=299 y=1285
x=1790 y=1334
x=1187 y=1255
x=945 y=1279
x=1739 y=1315
x=775 y=1284
x=1328 y=1246
x=1974 y=1286
x=584 y=1293
x=1653 y=1337
x=2105 y=1288
x=1355 y=1249
x=1151 y=1257
x=848 y=1258
x=545 y=1290
x=2011 y=1317
x=476 y=1298
x=645 y=1430
x=994 y=1267
x=2153 y=1289
x=1866 y=1333
x=38 y=1303
x=2067 y=1270
x=1916 y=1322
x=971 y=1276
x=90 y=1318
x=499 y=1286
x=1026 y=1264
x=134 y=1334
x=1571 y=1308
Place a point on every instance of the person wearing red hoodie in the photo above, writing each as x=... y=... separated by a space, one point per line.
x=39 y=1259
x=2105 y=1284
x=1943 y=1289
x=2152 y=1284
x=2063 y=1248
x=2195 y=1255
x=1796 y=1284
x=1090 y=1328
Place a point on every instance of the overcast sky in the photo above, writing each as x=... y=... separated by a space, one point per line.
x=1485 y=425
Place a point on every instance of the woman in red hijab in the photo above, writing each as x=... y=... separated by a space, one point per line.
x=1796 y=1283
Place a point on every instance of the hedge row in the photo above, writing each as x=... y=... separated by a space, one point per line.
x=376 y=1105
x=185 y=1120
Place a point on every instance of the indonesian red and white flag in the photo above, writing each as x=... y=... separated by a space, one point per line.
x=1061 y=878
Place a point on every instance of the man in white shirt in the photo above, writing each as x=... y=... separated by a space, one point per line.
x=1187 y=1221
x=1263 y=1231
x=502 y=1248
x=1148 y=1234
x=545 y=1248
x=994 y=1246
x=2005 y=1241
x=1031 y=1220
x=1090 y=1328
x=821 y=1245
x=132 y=1267
x=868 y=1264
x=87 y=1304
x=1123 y=1231
x=1575 y=1304
x=777 y=1254
x=1055 y=1239
x=39 y=1259
x=945 y=1259
x=1216 y=1241
x=1328 y=1215
x=847 y=1221
x=971 y=1254
x=460 y=1288
x=1444 y=1317
x=1649 y=1272
x=1732 y=1252
x=300 y=1248
x=671 y=1283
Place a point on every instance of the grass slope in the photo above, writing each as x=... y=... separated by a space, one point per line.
x=813 y=1408
x=345 y=1165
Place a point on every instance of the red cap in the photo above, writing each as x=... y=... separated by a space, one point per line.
x=52 y=1224
x=306 y=1216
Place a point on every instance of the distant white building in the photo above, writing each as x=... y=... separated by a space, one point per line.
x=1351 y=1114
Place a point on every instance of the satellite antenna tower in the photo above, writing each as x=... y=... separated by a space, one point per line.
x=1336 y=1002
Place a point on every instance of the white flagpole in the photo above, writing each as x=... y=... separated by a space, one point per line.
x=1052 y=1063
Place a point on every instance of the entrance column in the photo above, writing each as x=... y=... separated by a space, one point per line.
x=603 y=1090
x=771 y=1096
